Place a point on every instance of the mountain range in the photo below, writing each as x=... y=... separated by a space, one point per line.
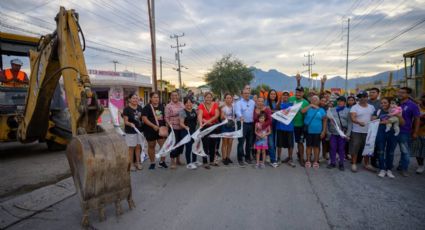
x=280 y=81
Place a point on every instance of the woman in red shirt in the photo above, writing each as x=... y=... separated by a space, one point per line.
x=208 y=113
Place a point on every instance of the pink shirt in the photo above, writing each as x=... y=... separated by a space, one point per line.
x=172 y=114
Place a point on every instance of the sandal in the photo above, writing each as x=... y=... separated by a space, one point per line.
x=308 y=164
x=316 y=165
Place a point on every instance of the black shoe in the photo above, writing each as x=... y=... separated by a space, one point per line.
x=162 y=164
x=242 y=164
x=248 y=161
x=286 y=160
x=226 y=161
x=331 y=166
x=152 y=167
x=229 y=161
x=341 y=167
x=399 y=168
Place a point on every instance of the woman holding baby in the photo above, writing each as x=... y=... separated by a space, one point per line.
x=386 y=140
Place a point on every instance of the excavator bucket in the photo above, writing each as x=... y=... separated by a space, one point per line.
x=100 y=167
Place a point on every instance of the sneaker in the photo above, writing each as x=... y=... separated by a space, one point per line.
x=197 y=163
x=132 y=168
x=152 y=167
x=262 y=166
x=229 y=161
x=341 y=167
x=162 y=164
x=286 y=160
x=420 y=169
x=381 y=173
x=390 y=174
x=191 y=166
x=292 y=164
x=331 y=166
x=274 y=164
x=248 y=161
x=353 y=168
x=242 y=164
x=257 y=166
x=404 y=173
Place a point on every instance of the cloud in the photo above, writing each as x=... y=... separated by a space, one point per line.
x=276 y=33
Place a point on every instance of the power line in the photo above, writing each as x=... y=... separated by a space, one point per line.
x=390 y=40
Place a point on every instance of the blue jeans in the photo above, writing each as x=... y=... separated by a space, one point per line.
x=385 y=146
x=272 y=146
x=404 y=141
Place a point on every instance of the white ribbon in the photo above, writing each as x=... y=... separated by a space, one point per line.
x=287 y=115
x=338 y=129
x=235 y=134
x=168 y=145
x=372 y=131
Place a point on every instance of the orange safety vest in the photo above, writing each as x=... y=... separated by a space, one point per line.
x=9 y=75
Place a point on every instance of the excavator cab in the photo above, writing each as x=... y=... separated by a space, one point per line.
x=12 y=99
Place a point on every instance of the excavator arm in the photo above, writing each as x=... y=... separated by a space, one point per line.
x=98 y=159
x=59 y=54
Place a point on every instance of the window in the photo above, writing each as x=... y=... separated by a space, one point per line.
x=419 y=64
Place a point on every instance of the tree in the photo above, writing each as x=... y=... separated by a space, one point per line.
x=228 y=74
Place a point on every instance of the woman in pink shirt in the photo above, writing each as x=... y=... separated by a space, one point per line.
x=172 y=117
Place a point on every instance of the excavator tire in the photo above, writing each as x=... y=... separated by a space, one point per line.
x=100 y=168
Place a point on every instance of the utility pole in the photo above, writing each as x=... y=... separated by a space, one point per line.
x=346 y=61
x=160 y=77
x=115 y=65
x=178 y=46
x=151 y=12
x=309 y=65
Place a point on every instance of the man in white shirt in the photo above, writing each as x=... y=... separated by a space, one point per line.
x=361 y=115
x=244 y=110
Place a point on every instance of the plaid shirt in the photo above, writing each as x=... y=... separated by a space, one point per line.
x=172 y=114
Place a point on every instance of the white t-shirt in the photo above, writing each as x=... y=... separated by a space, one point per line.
x=363 y=114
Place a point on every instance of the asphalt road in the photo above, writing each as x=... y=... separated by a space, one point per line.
x=229 y=197
x=25 y=167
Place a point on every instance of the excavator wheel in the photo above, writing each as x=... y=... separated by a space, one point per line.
x=100 y=168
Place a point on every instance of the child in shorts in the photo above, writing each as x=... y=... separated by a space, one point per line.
x=262 y=131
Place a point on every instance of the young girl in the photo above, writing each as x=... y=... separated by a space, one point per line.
x=262 y=131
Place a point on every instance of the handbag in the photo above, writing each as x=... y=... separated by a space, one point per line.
x=309 y=123
x=163 y=130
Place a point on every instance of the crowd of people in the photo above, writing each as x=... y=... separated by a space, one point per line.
x=312 y=131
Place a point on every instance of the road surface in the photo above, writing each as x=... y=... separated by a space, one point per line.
x=229 y=197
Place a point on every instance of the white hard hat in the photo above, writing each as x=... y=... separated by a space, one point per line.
x=16 y=62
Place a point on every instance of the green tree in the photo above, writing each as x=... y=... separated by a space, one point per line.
x=228 y=74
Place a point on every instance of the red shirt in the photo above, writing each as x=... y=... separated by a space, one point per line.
x=206 y=115
x=268 y=121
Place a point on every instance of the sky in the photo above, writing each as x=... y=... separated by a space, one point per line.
x=267 y=34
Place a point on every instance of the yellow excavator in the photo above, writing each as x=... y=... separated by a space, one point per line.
x=98 y=158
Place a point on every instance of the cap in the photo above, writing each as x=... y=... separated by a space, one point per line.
x=362 y=94
x=285 y=92
x=341 y=98
x=299 y=88
x=16 y=62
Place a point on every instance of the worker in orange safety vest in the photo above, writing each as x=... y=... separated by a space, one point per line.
x=14 y=77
